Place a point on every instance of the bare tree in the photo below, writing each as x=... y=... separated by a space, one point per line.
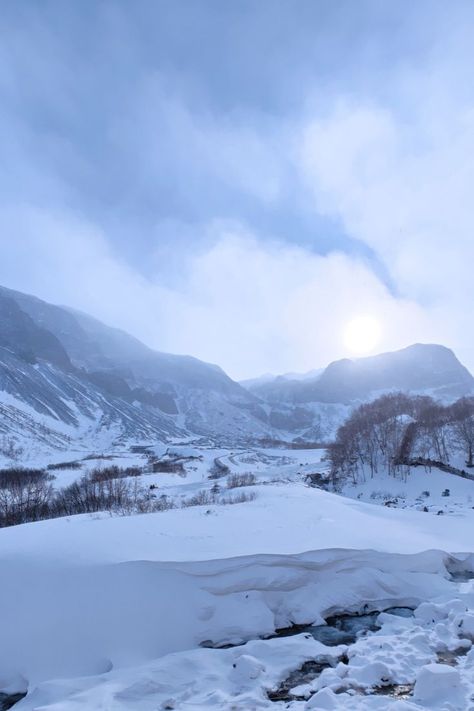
x=25 y=495
x=462 y=416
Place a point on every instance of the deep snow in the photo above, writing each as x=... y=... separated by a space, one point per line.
x=108 y=612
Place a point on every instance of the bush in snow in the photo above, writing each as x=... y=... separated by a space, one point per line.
x=208 y=498
x=91 y=494
x=236 y=480
x=218 y=470
x=151 y=504
x=382 y=495
x=64 y=465
x=241 y=498
x=25 y=495
x=114 y=472
x=168 y=466
x=202 y=498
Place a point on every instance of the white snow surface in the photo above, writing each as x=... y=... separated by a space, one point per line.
x=420 y=488
x=108 y=612
x=285 y=518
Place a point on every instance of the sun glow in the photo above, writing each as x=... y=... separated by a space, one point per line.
x=362 y=334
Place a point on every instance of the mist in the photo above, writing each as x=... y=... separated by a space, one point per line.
x=239 y=182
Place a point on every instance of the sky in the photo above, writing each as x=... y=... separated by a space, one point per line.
x=243 y=181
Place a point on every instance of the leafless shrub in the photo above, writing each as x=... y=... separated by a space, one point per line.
x=64 y=465
x=168 y=466
x=202 y=498
x=236 y=480
x=25 y=495
x=162 y=503
x=133 y=471
x=218 y=470
x=90 y=495
x=207 y=498
x=381 y=495
x=114 y=472
x=91 y=456
x=241 y=498
x=15 y=476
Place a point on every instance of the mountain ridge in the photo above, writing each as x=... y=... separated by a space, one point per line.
x=95 y=380
x=417 y=367
x=67 y=380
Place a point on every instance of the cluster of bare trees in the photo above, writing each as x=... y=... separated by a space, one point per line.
x=25 y=495
x=209 y=497
x=218 y=469
x=28 y=495
x=234 y=481
x=397 y=431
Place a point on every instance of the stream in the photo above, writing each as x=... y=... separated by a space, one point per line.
x=344 y=628
x=339 y=629
x=7 y=701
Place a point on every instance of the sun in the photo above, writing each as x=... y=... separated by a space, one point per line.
x=362 y=334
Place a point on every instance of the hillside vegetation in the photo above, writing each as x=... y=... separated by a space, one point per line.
x=398 y=431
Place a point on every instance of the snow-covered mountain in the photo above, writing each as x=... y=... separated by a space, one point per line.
x=424 y=368
x=273 y=380
x=312 y=406
x=67 y=379
x=177 y=589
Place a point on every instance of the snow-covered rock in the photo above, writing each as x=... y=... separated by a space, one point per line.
x=373 y=673
x=438 y=684
x=323 y=699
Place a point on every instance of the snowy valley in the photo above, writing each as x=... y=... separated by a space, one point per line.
x=217 y=605
x=173 y=540
x=236 y=355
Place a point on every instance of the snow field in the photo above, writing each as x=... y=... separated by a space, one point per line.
x=109 y=612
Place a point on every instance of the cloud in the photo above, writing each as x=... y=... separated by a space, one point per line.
x=247 y=305
x=406 y=189
x=241 y=200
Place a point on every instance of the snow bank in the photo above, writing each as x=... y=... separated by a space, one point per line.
x=65 y=620
x=240 y=678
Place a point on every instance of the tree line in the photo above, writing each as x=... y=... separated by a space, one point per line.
x=28 y=495
x=397 y=431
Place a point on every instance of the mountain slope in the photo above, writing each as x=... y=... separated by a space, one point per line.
x=312 y=408
x=418 y=368
x=66 y=379
x=432 y=369
x=94 y=346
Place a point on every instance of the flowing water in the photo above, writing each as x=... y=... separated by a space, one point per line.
x=343 y=629
x=7 y=701
x=339 y=629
